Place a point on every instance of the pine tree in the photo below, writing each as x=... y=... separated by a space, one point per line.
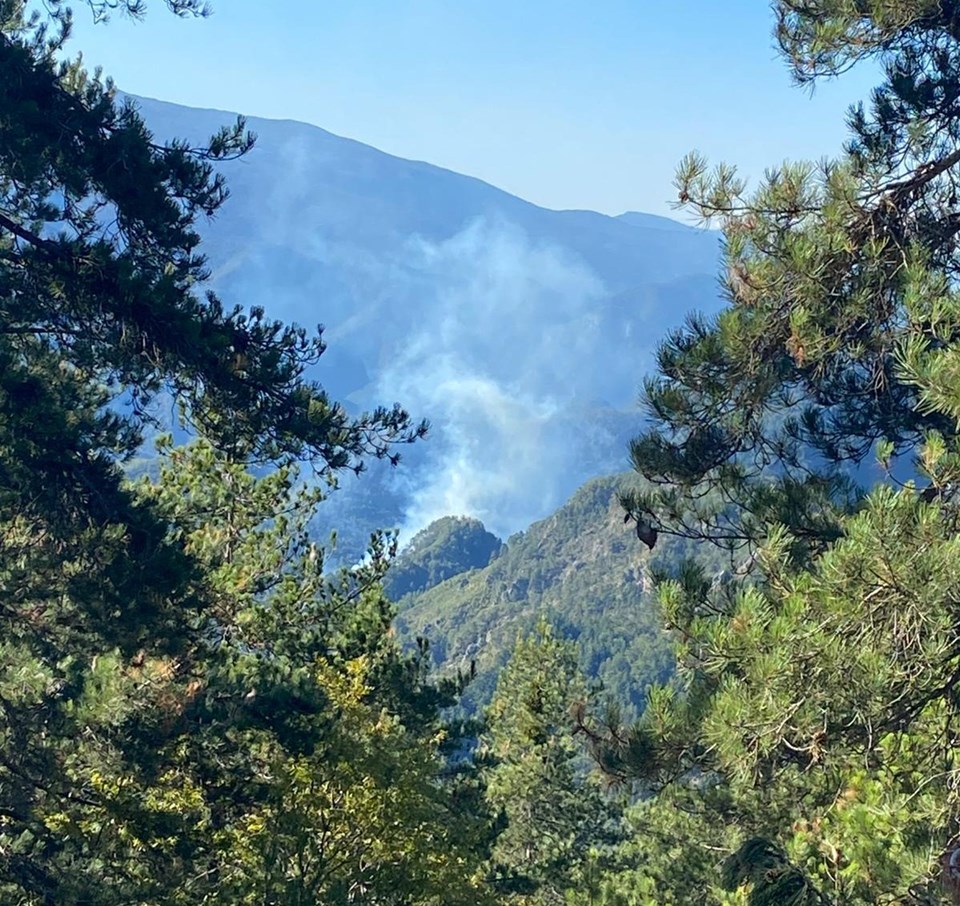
x=815 y=709
x=110 y=617
x=836 y=274
x=556 y=820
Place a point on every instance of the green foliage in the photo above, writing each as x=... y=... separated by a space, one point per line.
x=101 y=267
x=289 y=753
x=445 y=548
x=555 y=818
x=674 y=846
x=191 y=710
x=814 y=713
x=773 y=881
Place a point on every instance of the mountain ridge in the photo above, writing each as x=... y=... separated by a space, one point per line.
x=521 y=332
x=636 y=218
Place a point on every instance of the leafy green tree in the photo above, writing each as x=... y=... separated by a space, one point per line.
x=817 y=683
x=673 y=847
x=288 y=753
x=322 y=741
x=556 y=819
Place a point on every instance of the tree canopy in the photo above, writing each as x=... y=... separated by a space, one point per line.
x=814 y=716
x=195 y=709
x=179 y=679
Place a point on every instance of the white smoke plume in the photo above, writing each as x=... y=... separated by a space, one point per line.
x=501 y=368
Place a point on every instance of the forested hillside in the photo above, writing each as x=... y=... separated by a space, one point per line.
x=582 y=569
x=445 y=548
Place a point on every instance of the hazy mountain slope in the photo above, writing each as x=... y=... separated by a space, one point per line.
x=654 y=222
x=584 y=569
x=521 y=333
x=352 y=193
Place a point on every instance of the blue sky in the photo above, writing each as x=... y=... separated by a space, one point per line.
x=567 y=104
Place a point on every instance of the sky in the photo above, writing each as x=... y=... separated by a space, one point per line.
x=566 y=104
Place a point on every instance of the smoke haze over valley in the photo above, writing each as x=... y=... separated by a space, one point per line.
x=521 y=333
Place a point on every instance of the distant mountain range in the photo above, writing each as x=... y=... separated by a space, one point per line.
x=522 y=333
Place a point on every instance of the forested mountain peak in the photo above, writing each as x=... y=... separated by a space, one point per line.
x=445 y=548
x=584 y=570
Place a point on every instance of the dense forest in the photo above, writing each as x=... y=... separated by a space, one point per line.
x=196 y=707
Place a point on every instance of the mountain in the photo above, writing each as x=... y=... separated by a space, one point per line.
x=522 y=333
x=582 y=567
x=654 y=222
x=445 y=548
